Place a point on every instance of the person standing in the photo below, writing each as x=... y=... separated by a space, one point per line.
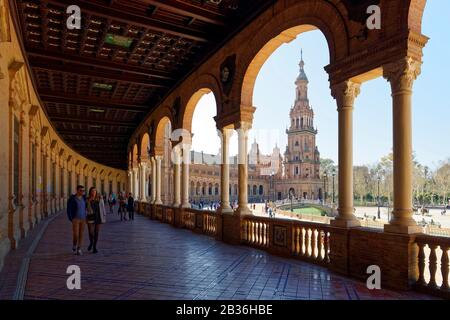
x=122 y=207
x=130 y=206
x=76 y=212
x=95 y=216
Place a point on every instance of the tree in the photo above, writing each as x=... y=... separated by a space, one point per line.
x=362 y=181
x=442 y=180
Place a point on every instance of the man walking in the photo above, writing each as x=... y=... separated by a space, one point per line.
x=76 y=212
x=130 y=206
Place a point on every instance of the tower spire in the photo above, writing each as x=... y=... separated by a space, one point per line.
x=302 y=75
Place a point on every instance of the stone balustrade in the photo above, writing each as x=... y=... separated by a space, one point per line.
x=433 y=265
x=304 y=240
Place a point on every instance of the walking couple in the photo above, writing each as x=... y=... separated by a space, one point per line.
x=83 y=210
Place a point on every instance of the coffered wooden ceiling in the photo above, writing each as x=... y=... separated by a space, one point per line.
x=97 y=83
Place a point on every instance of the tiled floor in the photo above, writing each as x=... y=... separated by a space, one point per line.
x=146 y=259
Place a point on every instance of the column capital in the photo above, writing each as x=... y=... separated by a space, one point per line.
x=243 y=126
x=345 y=93
x=402 y=73
x=143 y=164
x=225 y=132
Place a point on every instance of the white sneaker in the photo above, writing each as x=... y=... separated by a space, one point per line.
x=79 y=252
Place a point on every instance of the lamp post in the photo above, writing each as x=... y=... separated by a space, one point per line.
x=272 y=187
x=334 y=175
x=325 y=179
x=378 y=198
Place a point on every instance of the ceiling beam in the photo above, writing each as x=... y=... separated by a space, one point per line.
x=87 y=134
x=93 y=122
x=98 y=74
x=90 y=102
x=98 y=63
x=188 y=10
x=125 y=16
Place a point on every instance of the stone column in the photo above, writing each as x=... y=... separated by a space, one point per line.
x=130 y=181
x=401 y=76
x=185 y=176
x=177 y=177
x=143 y=171
x=153 y=180
x=225 y=134
x=345 y=94
x=135 y=183
x=243 y=129
x=158 y=180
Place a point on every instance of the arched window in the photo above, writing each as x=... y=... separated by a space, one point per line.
x=296 y=143
x=261 y=190
x=296 y=171
x=255 y=190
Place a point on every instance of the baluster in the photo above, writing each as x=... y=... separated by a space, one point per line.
x=263 y=234
x=258 y=233
x=326 y=243
x=294 y=240
x=303 y=242
x=320 y=245
x=306 y=242
x=445 y=268
x=313 y=243
x=421 y=261
x=433 y=266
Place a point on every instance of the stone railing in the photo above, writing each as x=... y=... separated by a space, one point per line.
x=433 y=261
x=210 y=223
x=188 y=219
x=305 y=240
x=200 y=221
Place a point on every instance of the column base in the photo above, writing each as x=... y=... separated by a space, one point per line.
x=345 y=223
x=159 y=202
x=243 y=210
x=185 y=205
x=401 y=229
x=227 y=210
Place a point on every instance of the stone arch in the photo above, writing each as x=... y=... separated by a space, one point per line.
x=284 y=27
x=415 y=15
x=158 y=147
x=145 y=146
x=134 y=155
x=205 y=87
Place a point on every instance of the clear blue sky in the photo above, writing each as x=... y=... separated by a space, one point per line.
x=274 y=95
